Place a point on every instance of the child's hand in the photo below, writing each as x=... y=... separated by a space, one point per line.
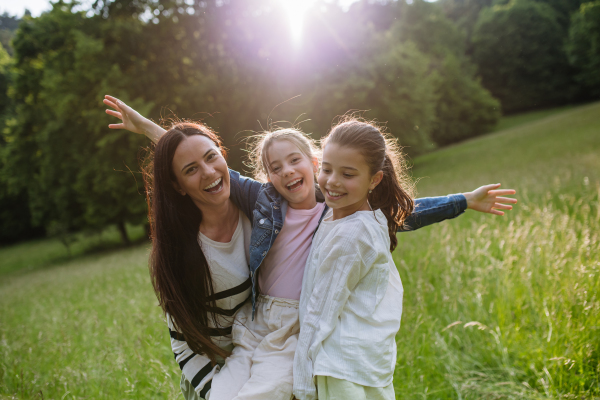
x=485 y=199
x=131 y=119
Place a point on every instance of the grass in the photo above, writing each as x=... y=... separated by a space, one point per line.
x=494 y=308
x=520 y=119
x=29 y=256
x=508 y=308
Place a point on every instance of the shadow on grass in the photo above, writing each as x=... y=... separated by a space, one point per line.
x=26 y=257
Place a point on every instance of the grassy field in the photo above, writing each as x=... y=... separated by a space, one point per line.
x=494 y=308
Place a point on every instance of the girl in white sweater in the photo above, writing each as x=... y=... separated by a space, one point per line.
x=351 y=300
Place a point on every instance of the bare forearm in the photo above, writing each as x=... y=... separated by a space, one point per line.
x=152 y=130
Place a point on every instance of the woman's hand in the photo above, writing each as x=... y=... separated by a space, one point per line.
x=131 y=119
x=486 y=199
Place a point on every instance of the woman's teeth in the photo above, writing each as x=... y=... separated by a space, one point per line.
x=212 y=185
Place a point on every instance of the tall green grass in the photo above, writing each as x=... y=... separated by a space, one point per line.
x=494 y=308
x=508 y=308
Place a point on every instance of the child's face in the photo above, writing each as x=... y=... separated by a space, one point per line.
x=345 y=180
x=292 y=174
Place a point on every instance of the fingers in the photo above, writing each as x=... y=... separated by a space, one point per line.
x=491 y=186
x=111 y=98
x=496 y=212
x=116 y=126
x=115 y=114
x=502 y=206
x=503 y=192
x=506 y=200
x=110 y=104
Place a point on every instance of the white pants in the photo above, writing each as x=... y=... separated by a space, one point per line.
x=260 y=366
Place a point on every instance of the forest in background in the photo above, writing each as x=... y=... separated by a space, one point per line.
x=436 y=73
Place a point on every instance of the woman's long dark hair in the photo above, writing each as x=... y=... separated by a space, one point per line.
x=393 y=195
x=178 y=268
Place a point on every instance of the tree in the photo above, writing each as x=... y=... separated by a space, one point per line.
x=56 y=150
x=464 y=109
x=518 y=48
x=583 y=48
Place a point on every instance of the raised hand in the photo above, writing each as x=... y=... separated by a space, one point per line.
x=487 y=199
x=131 y=119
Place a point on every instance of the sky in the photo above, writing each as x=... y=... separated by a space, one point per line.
x=36 y=7
x=18 y=7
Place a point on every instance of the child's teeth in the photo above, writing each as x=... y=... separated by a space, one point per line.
x=294 y=182
x=212 y=185
x=334 y=194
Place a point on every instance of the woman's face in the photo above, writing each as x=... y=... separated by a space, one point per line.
x=201 y=171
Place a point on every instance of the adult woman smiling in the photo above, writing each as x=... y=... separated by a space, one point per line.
x=200 y=217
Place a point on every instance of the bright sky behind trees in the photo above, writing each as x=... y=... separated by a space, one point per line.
x=36 y=7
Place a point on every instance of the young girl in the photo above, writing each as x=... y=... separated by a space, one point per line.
x=265 y=331
x=351 y=300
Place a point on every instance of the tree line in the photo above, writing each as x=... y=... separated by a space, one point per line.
x=436 y=73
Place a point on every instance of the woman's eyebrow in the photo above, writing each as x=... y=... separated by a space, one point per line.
x=187 y=165
x=207 y=151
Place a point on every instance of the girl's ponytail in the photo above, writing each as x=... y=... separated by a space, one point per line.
x=390 y=197
x=394 y=194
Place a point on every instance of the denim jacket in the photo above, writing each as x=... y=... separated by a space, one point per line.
x=266 y=209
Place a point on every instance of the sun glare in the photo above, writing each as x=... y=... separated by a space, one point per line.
x=296 y=9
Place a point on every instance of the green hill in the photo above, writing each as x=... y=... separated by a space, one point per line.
x=494 y=308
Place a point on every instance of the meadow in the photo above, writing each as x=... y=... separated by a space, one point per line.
x=494 y=307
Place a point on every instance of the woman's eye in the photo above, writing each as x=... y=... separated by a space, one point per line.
x=190 y=170
x=211 y=156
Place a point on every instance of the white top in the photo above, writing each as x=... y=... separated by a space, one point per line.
x=228 y=263
x=350 y=306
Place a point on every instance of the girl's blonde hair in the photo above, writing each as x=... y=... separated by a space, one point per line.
x=394 y=194
x=259 y=147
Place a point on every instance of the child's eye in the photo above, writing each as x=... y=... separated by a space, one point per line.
x=275 y=169
x=348 y=175
x=295 y=160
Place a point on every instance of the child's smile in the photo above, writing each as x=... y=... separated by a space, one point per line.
x=292 y=174
x=345 y=179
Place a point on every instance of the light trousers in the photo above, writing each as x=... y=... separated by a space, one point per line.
x=260 y=366
x=329 y=388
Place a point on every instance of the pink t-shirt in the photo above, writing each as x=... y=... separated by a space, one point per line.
x=283 y=268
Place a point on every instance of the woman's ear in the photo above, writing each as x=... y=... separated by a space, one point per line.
x=375 y=180
x=178 y=188
x=315 y=162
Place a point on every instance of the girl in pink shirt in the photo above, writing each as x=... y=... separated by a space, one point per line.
x=260 y=366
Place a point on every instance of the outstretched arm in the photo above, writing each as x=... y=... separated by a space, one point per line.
x=486 y=199
x=131 y=119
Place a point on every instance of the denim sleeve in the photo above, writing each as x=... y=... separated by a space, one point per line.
x=429 y=210
x=244 y=192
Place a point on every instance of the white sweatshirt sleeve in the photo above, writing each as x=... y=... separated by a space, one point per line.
x=345 y=257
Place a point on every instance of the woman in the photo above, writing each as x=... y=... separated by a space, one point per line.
x=200 y=217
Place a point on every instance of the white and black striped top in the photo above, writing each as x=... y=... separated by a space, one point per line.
x=228 y=263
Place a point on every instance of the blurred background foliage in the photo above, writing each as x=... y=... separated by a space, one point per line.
x=436 y=73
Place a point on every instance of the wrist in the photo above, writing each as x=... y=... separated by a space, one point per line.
x=469 y=198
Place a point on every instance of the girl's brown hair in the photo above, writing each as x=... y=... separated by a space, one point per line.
x=178 y=268
x=394 y=194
